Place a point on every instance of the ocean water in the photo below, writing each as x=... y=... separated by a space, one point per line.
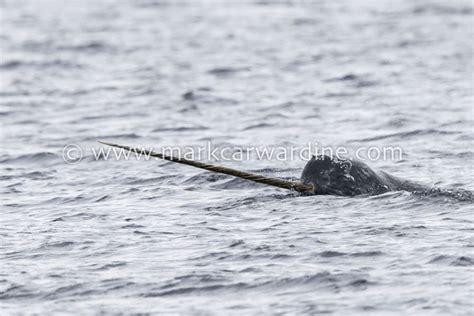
x=107 y=236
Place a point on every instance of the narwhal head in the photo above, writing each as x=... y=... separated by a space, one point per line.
x=329 y=175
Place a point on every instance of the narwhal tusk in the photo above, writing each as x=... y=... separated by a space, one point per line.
x=276 y=182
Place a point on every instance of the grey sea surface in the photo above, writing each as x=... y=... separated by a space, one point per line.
x=107 y=236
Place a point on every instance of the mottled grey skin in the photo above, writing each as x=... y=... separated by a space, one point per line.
x=351 y=177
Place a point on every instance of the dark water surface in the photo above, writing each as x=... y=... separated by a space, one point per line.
x=149 y=236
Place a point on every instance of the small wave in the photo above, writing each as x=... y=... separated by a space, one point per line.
x=225 y=71
x=330 y=254
x=66 y=290
x=156 y=3
x=250 y=270
x=205 y=177
x=81 y=216
x=32 y=158
x=93 y=46
x=12 y=64
x=461 y=261
x=457 y=194
x=180 y=129
x=108 y=266
x=132 y=226
x=236 y=243
x=305 y=21
x=404 y=135
x=189 y=95
x=15 y=291
x=68 y=199
x=367 y=253
x=216 y=255
x=238 y=184
x=102 y=198
x=322 y=280
x=232 y=204
x=257 y=126
x=389 y=195
x=396 y=230
x=358 y=81
x=37 y=175
x=366 y=83
x=440 y=9
x=139 y=232
x=113 y=137
x=135 y=181
x=468 y=155
x=60 y=244
x=195 y=289
x=15 y=64
x=340 y=94
x=275 y=116
x=348 y=77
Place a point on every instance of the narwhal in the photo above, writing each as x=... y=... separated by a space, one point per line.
x=322 y=175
